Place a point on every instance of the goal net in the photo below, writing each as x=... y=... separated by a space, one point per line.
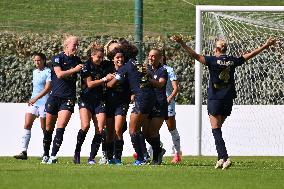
x=259 y=82
x=261 y=79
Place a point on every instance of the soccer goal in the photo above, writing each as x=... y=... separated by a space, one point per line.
x=258 y=111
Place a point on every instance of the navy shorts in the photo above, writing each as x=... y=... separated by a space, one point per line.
x=160 y=110
x=144 y=104
x=55 y=104
x=220 y=107
x=114 y=109
x=94 y=108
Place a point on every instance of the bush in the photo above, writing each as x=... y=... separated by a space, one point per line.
x=16 y=64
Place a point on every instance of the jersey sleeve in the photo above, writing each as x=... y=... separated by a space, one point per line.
x=56 y=61
x=208 y=60
x=239 y=61
x=171 y=74
x=163 y=74
x=48 y=75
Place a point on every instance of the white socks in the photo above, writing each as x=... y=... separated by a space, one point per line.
x=176 y=140
x=26 y=139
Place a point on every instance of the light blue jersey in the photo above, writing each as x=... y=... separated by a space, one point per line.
x=171 y=77
x=169 y=89
x=40 y=77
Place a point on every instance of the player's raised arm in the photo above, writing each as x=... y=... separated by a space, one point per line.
x=258 y=50
x=189 y=50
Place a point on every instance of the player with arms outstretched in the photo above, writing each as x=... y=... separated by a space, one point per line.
x=221 y=89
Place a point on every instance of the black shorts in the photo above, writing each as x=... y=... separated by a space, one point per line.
x=114 y=109
x=220 y=107
x=144 y=103
x=160 y=110
x=55 y=104
x=94 y=108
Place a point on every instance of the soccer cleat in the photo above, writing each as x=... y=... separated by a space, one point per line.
x=219 y=164
x=52 y=160
x=111 y=162
x=103 y=159
x=91 y=162
x=147 y=159
x=117 y=162
x=226 y=164
x=155 y=163
x=44 y=160
x=138 y=162
x=23 y=156
x=160 y=157
x=76 y=158
x=176 y=158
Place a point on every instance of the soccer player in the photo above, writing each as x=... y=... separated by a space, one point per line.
x=171 y=91
x=144 y=97
x=91 y=103
x=158 y=77
x=41 y=87
x=60 y=104
x=221 y=89
x=117 y=104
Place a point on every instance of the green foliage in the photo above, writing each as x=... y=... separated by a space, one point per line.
x=193 y=172
x=16 y=62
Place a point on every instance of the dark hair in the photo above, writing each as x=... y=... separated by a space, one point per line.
x=116 y=50
x=42 y=57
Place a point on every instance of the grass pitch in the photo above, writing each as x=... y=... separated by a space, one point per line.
x=193 y=172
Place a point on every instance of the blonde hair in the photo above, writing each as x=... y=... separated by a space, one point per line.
x=221 y=46
x=68 y=39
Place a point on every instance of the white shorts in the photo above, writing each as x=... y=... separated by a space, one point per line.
x=38 y=111
x=172 y=109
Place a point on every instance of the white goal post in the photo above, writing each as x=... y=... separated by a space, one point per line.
x=198 y=48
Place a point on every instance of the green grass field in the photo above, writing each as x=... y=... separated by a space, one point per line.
x=193 y=172
x=106 y=17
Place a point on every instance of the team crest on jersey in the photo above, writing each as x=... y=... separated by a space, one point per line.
x=155 y=76
x=56 y=60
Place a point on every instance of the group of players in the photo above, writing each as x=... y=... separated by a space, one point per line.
x=107 y=88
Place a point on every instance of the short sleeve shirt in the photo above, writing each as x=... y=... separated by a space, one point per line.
x=40 y=78
x=221 y=76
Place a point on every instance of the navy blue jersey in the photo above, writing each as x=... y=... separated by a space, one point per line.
x=120 y=92
x=156 y=74
x=137 y=79
x=64 y=87
x=96 y=72
x=221 y=76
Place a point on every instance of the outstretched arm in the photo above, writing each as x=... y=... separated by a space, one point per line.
x=255 y=52
x=189 y=50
